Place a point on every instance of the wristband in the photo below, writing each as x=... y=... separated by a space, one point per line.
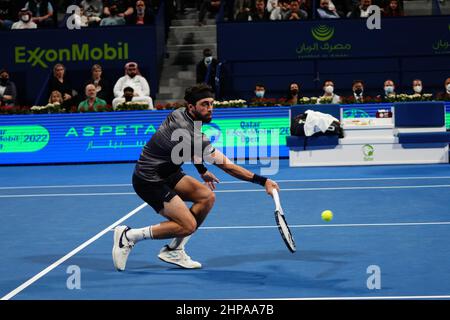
x=259 y=180
x=200 y=168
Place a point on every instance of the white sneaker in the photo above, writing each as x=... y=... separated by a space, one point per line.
x=122 y=247
x=178 y=257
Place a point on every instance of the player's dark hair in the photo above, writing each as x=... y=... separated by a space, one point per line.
x=198 y=92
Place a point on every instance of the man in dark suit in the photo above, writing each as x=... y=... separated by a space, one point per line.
x=207 y=68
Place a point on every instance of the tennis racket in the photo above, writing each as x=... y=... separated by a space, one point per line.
x=282 y=224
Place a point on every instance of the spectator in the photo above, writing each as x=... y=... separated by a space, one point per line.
x=328 y=88
x=361 y=11
x=293 y=94
x=8 y=92
x=358 y=91
x=389 y=90
x=445 y=95
x=122 y=8
x=59 y=83
x=212 y=6
x=133 y=79
x=55 y=97
x=7 y=14
x=141 y=15
x=92 y=10
x=295 y=13
x=281 y=12
x=42 y=12
x=260 y=91
x=243 y=9
x=393 y=9
x=260 y=13
x=272 y=5
x=101 y=84
x=92 y=101
x=25 y=21
x=207 y=68
x=417 y=87
x=327 y=10
x=113 y=19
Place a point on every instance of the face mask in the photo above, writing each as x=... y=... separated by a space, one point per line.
x=208 y=60
x=418 y=89
x=294 y=91
x=140 y=11
x=329 y=89
x=3 y=81
x=389 y=89
x=25 y=18
x=358 y=91
x=331 y=7
x=259 y=94
x=448 y=87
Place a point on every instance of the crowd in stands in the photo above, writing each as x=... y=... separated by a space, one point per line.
x=97 y=91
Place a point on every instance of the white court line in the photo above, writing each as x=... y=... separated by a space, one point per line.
x=224 y=182
x=70 y=254
x=344 y=225
x=228 y=191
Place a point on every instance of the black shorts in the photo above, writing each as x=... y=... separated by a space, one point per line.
x=156 y=193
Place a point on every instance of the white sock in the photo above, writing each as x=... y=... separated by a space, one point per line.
x=137 y=235
x=179 y=243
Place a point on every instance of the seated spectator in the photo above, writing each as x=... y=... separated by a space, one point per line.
x=243 y=9
x=393 y=9
x=281 y=12
x=8 y=91
x=357 y=91
x=102 y=85
x=445 y=95
x=206 y=69
x=42 y=11
x=7 y=14
x=417 y=87
x=93 y=10
x=293 y=95
x=92 y=101
x=55 y=97
x=389 y=90
x=260 y=13
x=113 y=19
x=212 y=6
x=328 y=88
x=260 y=91
x=25 y=21
x=59 y=83
x=295 y=13
x=141 y=15
x=327 y=10
x=133 y=79
x=361 y=11
x=271 y=5
x=123 y=8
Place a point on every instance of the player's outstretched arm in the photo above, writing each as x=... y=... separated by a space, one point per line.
x=221 y=161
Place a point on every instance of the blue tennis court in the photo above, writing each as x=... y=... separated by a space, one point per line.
x=396 y=218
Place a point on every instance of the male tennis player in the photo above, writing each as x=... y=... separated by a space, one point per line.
x=159 y=181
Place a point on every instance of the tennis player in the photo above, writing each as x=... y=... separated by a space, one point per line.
x=159 y=180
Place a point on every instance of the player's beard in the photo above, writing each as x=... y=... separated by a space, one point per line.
x=203 y=118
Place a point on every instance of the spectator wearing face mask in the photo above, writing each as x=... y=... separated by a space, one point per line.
x=206 y=69
x=293 y=95
x=327 y=10
x=445 y=95
x=357 y=91
x=328 y=88
x=417 y=87
x=389 y=90
x=25 y=21
x=260 y=91
x=8 y=92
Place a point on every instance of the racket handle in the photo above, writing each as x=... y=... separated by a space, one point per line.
x=276 y=199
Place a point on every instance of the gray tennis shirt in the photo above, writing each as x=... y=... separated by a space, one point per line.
x=178 y=131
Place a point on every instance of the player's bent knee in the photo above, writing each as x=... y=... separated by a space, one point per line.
x=210 y=198
x=189 y=227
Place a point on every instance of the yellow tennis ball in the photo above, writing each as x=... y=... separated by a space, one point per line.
x=327 y=215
